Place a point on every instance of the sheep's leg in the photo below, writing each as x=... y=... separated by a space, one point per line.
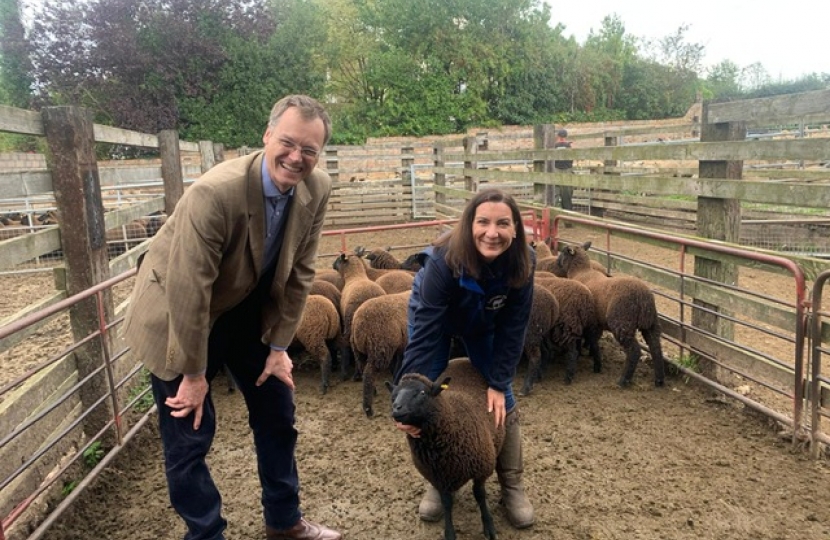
x=592 y=337
x=369 y=388
x=571 y=359
x=534 y=369
x=480 y=493
x=655 y=348
x=449 y=528
x=345 y=358
x=632 y=358
x=325 y=369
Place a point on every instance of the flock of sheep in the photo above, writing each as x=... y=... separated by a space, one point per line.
x=358 y=311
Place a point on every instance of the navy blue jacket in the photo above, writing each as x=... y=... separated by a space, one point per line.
x=442 y=305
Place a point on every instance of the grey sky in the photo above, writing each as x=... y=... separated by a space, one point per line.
x=788 y=38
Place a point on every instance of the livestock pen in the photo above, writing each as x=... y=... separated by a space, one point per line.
x=454 y=176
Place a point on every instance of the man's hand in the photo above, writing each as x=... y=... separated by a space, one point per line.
x=279 y=365
x=495 y=405
x=189 y=398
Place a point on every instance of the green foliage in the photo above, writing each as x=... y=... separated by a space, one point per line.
x=142 y=388
x=213 y=69
x=688 y=361
x=68 y=487
x=15 y=81
x=93 y=454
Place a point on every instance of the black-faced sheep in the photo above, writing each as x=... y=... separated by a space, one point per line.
x=414 y=262
x=577 y=324
x=357 y=288
x=548 y=261
x=458 y=441
x=318 y=333
x=624 y=305
x=544 y=312
x=379 y=258
x=379 y=336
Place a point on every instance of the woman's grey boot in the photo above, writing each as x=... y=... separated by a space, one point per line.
x=509 y=468
x=430 y=508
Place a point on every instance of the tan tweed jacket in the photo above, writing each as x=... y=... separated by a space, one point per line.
x=208 y=256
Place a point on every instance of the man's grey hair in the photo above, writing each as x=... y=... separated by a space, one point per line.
x=309 y=109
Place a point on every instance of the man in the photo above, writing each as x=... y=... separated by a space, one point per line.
x=224 y=283
x=564 y=166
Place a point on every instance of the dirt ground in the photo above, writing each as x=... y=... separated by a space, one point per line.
x=601 y=462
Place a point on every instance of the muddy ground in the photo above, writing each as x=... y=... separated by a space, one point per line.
x=602 y=463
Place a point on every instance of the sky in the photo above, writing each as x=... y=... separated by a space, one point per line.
x=787 y=38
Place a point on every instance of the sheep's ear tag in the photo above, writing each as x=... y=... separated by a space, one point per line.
x=438 y=388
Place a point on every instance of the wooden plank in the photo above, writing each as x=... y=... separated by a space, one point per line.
x=120 y=176
x=786 y=109
x=109 y=134
x=791 y=149
x=14 y=120
x=122 y=216
x=23 y=184
x=793 y=194
x=29 y=246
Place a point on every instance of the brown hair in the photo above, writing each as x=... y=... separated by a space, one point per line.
x=461 y=251
x=309 y=109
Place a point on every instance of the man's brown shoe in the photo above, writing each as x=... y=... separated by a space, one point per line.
x=303 y=530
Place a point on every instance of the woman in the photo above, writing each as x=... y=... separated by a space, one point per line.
x=477 y=286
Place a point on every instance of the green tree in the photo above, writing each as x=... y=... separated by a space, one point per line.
x=611 y=50
x=15 y=65
x=132 y=62
x=723 y=81
x=234 y=107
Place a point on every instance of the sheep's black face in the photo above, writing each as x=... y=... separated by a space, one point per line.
x=410 y=403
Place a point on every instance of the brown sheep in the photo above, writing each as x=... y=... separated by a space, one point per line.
x=357 y=288
x=458 y=441
x=396 y=281
x=624 y=306
x=577 y=323
x=332 y=276
x=380 y=258
x=379 y=336
x=318 y=333
x=544 y=312
x=121 y=239
x=547 y=261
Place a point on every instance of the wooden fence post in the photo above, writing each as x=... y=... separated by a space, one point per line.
x=718 y=219
x=77 y=187
x=439 y=179
x=218 y=152
x=171 y=168
x=332 y=164
x=483 y=141
x=470 y=163
x=206 y=152
x=407 y=160
x=542 y=140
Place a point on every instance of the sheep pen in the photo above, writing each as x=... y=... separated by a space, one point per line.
x=600 y=462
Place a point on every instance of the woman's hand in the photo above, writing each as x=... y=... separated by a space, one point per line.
x=495 y=405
